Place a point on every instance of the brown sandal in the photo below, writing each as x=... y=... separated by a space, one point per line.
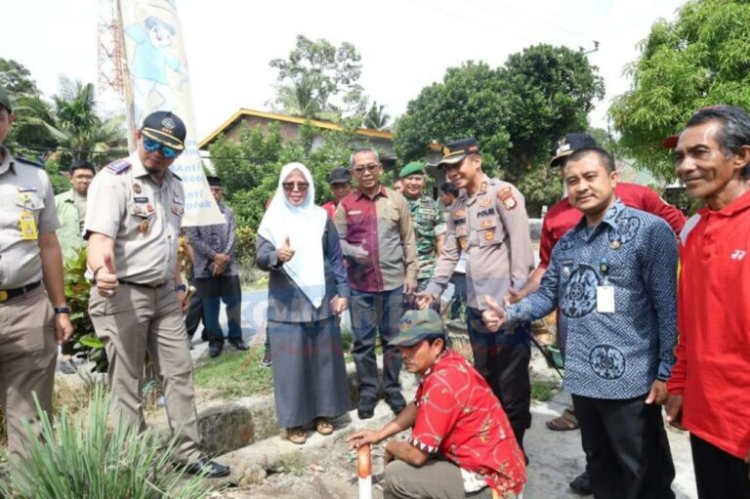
x=566 y=422
x=296 y=435
x=323 y=426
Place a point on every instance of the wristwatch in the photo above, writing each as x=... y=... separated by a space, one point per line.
x=180 y=287
x=62 y=310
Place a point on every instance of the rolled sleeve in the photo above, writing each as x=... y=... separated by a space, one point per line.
x=105 y=206
x=446 y=261
x=48 y=221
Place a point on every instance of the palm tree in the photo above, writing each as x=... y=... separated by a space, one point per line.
x=376 y=117
x=77 y=127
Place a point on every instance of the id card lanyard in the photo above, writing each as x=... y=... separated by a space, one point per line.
x=605 y=292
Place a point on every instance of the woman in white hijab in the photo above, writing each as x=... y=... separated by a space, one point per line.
x=299 y=246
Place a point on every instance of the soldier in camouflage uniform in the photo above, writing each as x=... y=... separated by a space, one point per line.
x=429 y=224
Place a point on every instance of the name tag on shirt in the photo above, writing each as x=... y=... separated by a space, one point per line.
x=605 y=299
x=28 y=226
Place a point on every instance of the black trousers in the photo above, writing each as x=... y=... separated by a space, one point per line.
x=458 y=299
x=212 y=292
x=628 y=451
x=718 y=474
x=502 y=359
x=194 y=315
x=373 y=313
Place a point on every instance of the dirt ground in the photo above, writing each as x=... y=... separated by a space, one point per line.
x=326 y=468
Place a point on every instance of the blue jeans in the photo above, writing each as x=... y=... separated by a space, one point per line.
x=372 y=313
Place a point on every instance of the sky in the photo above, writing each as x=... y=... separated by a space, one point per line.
x=405 y=44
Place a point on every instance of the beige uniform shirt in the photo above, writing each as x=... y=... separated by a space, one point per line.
x=142 y=216
x=25 y=193
x=492 y=227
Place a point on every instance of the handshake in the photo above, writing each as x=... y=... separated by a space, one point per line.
x=494 y=317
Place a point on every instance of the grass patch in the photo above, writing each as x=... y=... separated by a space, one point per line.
x=292 y=464
x=235 y=374
x=543 y=390
x=80 y=456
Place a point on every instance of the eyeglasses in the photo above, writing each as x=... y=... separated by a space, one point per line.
x=300 y=186
x=151 y=145
x=360 y=169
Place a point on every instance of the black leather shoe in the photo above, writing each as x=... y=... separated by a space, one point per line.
x=396 y=403
x=266 y=362
x=366 y=407
x=205 y=467
x=581 y=485
x=214 y=350
x=239 y=345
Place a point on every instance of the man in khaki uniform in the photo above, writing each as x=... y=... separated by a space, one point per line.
x=135 y=208
x=29 y=325
x=488 y=221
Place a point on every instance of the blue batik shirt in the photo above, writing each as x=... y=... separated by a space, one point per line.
x=612 y=355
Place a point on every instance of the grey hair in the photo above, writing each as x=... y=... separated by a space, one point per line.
x=735 y=128
x=363 y=150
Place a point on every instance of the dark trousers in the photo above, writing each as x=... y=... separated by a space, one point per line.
x=194 y=315
x=628 y=451
x=459 y=294
x=372 y=313
x=502 y=358
x=213 y=291
x=718 y=474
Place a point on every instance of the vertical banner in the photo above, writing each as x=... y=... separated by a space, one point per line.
x=156 y=79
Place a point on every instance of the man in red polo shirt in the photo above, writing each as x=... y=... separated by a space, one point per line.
x=562 y=217
x=709 y=392
x=461 y=442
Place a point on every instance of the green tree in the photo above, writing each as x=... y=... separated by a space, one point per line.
x=16 y=78
x=551 y=92
x=319 y=80
x=29 y=136
x=376 y=117
x=78 y=128
x=700 y=59
x=469 y=102
x=250 y=166
x=516 y=112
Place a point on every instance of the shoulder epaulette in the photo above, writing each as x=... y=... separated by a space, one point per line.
x=117 y=167
x=29 y=162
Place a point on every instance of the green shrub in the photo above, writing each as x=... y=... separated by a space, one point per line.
x=85 y=458
x=77 y=289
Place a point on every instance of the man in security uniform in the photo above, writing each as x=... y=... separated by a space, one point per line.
x=29 y=255
x=488 y=221
x=135 y=208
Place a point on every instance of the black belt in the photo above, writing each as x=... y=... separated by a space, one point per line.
x=141 y=285
x=7 y=294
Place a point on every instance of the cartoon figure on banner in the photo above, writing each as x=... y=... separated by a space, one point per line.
x=151 y=59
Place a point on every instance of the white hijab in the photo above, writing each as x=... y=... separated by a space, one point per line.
x=304 y=226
